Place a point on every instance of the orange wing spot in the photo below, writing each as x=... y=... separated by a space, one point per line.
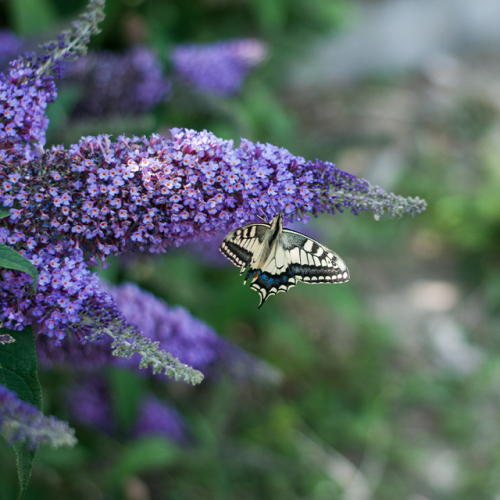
x=256 y=275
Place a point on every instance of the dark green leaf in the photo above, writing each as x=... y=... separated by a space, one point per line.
x=24 y=460
x=10 y=259
x=4 y=212
x=18 y=372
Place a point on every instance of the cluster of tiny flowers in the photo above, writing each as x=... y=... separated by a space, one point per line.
x=117 y=83
x=157 y=418
x=21 y=421
x=189 y=339
x=29 y=85
x=72 y=207
x=68 y=297
x=23 y=98
x=72 y=43
x=219 y=68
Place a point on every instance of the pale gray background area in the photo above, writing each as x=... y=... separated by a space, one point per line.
x=397 y=35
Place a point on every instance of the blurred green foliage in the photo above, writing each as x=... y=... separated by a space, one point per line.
x=366 y=403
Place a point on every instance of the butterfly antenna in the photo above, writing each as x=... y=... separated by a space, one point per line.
x=264 y=218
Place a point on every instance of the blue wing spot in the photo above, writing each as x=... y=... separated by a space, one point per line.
x=284 y=278
x=264 y=276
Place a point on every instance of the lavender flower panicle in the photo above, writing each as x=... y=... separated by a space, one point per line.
x=218 y=68
x=177 y=332
x=72 y=43
x=118 y=83
x=29 y=86
x=157 y=418
x=72 y=207
x=21 y=421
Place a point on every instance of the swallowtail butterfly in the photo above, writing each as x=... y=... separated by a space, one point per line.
x=277 y=258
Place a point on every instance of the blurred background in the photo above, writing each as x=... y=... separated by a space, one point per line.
x=387 y=387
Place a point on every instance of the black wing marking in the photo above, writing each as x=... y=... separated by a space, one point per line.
x=312 y=262
x=240 y=245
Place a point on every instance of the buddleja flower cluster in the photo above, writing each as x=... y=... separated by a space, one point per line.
x=190 y=340
x=21 y=421
x=118 y=83
x=218 y=68
x=72 y=207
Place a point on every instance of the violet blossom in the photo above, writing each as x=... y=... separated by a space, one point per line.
x=21 y=421
x=112 y=84
x=218 y=68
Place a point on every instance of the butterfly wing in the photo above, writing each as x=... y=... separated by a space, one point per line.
x=312 y=262
x=297 y=258
x=240 y=245
x=275 y=277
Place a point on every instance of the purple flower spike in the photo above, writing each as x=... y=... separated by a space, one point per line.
x=70 y=208
x=21 y=421
x=118 y=84
x=24 y=95
x=157 y=418
x=190 y=340
x=218 y=68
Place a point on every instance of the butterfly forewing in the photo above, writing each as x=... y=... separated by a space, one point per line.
x=240 y=245
x=312 y=262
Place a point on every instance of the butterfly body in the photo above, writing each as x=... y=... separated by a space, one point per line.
x=278 y=258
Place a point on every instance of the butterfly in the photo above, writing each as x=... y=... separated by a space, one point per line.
x=277 y=258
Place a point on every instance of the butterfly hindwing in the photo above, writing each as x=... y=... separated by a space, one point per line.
x=273 y=278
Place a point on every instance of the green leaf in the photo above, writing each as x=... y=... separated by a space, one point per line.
x=10 y=259
x=18 y=372
x=4 y=212
x=24 y=460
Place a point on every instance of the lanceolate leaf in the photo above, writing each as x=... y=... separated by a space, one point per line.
x=10 y=259
x=18 y=372
x=4 y=212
